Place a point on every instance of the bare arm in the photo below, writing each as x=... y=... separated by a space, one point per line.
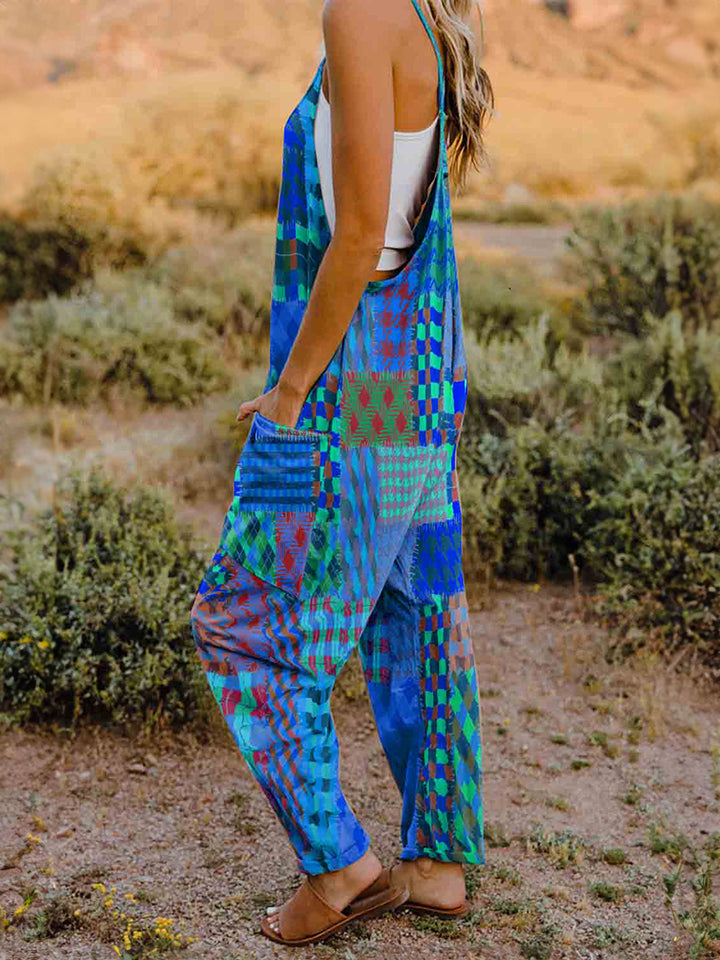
x=358 y=43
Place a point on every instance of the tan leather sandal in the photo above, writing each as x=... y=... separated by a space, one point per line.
x=308 y=918
x=424 y=909
x=446 y=913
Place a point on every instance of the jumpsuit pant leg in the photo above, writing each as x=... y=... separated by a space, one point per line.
x=420 y=672
x=271 y=663
x=271 y=659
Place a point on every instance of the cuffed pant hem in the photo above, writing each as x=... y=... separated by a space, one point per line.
x=314 y=865
x=456 y=856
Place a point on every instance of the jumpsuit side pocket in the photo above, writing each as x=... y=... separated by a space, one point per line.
x=269 y=525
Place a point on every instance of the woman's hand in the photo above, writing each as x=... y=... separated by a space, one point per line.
x=282 y=405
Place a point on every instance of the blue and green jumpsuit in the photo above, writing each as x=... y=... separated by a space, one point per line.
x=345 y=532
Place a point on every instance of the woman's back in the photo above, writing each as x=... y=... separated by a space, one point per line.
x=414 y=67
x=415 y=149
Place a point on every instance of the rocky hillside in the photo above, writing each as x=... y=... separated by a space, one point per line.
x=639 y=42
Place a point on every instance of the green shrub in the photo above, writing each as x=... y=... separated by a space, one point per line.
x=94 y=611
x=657 y=548
x=498 y=302
x=38 y=260
x=646 y=259
x=527 y=512
x=88 y=193
x=533 y=497
x=676 y=368
x=226 y=285
x=528 y=377
x=117 y=332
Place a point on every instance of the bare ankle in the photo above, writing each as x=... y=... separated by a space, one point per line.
x=427 y=867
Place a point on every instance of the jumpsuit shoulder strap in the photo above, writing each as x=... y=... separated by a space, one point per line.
x=441 y=70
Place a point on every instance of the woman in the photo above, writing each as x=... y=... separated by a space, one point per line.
x=345 y=525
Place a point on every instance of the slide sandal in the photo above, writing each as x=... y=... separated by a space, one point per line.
x=307 y=918
x=446 y=913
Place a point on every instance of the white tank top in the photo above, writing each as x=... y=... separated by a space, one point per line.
x=413 y=167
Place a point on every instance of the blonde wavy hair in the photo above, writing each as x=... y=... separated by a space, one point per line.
x=469 y=97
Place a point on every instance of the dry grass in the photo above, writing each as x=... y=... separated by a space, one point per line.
x=155 y=154
x=589 y=138
x=156 y=160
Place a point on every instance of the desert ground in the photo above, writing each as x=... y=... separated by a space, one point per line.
x=589 y=768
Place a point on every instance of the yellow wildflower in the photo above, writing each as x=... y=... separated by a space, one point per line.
x=108 y=902
x=43 y=644
x=99 y=886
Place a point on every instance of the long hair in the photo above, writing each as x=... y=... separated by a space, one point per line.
x=469 y=98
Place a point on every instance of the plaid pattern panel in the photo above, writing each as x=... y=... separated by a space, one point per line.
x=401 y=473
x=449 y=798
x=376 y=409
x=393 y=330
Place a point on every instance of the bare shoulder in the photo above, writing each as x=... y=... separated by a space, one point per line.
x=374 y=17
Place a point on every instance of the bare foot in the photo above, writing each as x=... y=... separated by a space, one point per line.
x=432 y=883
x=340 y=887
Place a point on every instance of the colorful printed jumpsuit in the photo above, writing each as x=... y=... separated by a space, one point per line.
x=346 y=531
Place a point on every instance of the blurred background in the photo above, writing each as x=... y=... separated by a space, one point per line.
x=140 y=156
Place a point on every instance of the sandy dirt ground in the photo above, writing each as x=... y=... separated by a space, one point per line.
x=580 y=757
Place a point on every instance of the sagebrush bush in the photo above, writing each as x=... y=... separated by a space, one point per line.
x=200 y=147
x=37 y=260
x=88 y=193
x=117 y=332
x=528 y=511
x=498 y=302
x=528 y=377
x=645 y=259
x=532 y=494
x=675 y=368
x=656 y=546
x=94 y=611
x=226 y=285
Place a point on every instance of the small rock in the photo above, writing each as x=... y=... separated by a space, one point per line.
x=85 y=775
x=137 y=768
x=151 y=759
x=64 y=832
